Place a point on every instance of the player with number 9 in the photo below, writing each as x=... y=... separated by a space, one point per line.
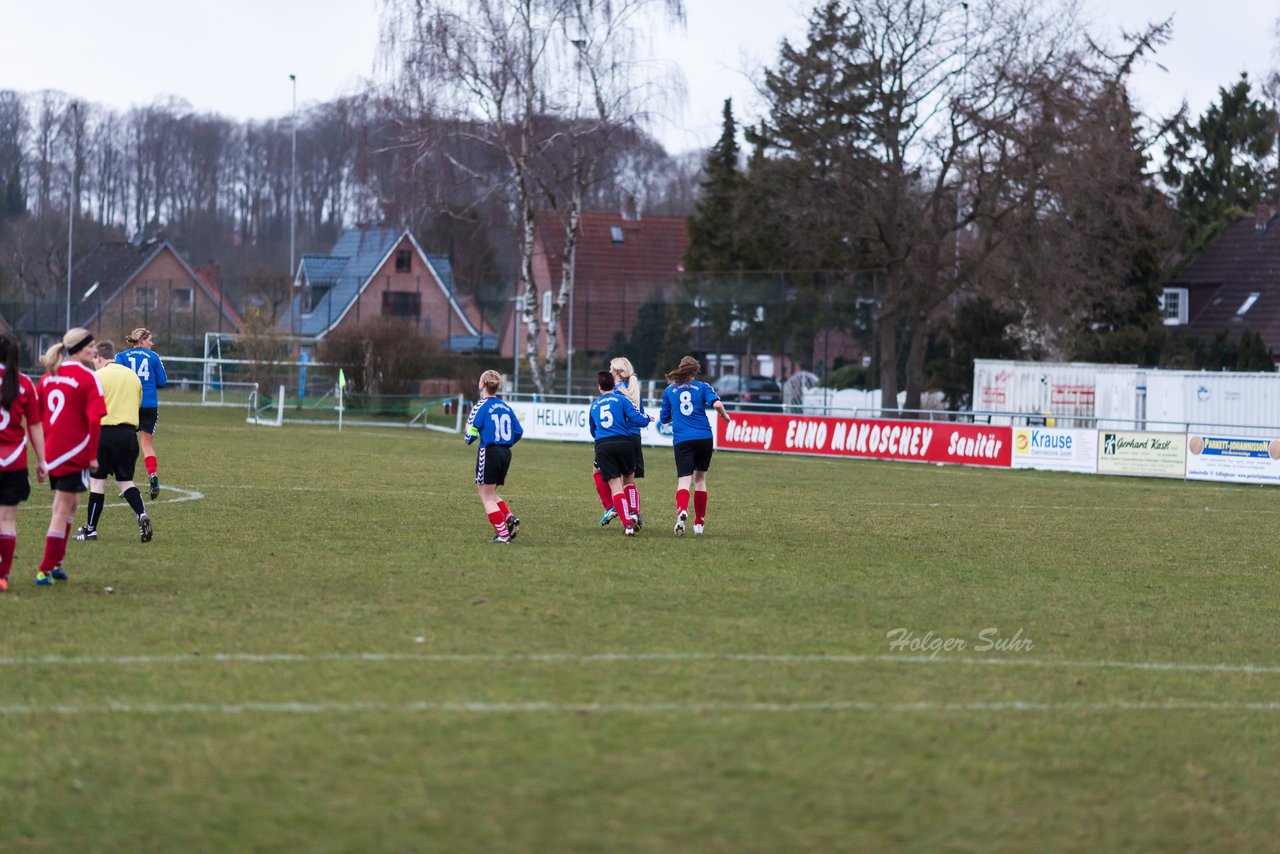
x=493 y=423
x=71 y=407
x=684 y=407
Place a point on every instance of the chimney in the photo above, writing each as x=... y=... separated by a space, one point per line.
x=210 y=272
x=630 y=209
x=1262 y=217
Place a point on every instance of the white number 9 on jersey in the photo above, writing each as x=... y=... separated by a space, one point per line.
x=56 y=400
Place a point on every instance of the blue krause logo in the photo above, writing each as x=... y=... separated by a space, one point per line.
x=1042 y=443
x=1240 y=447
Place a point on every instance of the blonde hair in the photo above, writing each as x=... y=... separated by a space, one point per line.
x=685 y=371
x=135 y=337
x=492 y=382
x=626 y=373
x=74 y=341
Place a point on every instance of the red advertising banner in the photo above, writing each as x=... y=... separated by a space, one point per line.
x=922 y=441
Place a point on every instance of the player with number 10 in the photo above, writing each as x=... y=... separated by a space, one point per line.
x=493 y=423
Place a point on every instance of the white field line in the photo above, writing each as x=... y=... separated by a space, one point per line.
x=183 y=495
x=619 y=657
x=305 y=708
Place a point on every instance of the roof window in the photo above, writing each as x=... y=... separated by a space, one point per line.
x=1247 y=304
x=615 y=233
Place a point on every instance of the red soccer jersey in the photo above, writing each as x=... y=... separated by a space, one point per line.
x=13 y=435
x=72 y=408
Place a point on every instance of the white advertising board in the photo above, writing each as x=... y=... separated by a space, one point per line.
x=569 y=422
x=1234 y=459
x=1052 y=449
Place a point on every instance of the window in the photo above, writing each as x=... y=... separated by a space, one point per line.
x=144 y=297
x=615 y=233
x=181 y=299
x=402 y=304
x=1173 y=306
x=312 y=297
x=404 y=260
x=1247 y=304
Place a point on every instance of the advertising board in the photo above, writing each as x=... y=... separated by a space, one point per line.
x=1052 y=449
x=1234 y=459
x=920 y=441
x=1143 y=454
x=568 y=422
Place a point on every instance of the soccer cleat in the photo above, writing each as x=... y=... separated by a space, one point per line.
x=144 y=527
x=680 y=520
x=86 y=533
x=154 y=482
x=513 y=526
x=697 y=528
x=500 y=539
x=609 y=516
x=639 y=522
x=44 y=579
x=630 y=530
x=58 y=573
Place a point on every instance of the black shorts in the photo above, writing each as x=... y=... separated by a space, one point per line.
x=615 y=457
x=693 y=455
x=638 y=447
x=492 y=462
x=147 y=418
x=77 y=481
x=15 y=487
x=117 y=452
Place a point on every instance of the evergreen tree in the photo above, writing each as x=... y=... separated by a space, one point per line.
x=713 y=227
x=1220 y=167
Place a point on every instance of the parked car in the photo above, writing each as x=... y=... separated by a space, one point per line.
x=737 y=389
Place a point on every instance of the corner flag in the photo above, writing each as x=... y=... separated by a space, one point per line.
x=342 y=379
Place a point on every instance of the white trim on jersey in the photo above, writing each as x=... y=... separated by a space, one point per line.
x=53 y=464
x=21 y=449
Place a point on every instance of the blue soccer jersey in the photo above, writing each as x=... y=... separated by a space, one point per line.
x=150 y=370
x=493 y=422
x=635 y=430
x=684 y=407
x=613 y=416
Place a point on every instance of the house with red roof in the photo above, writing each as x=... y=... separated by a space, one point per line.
x=622 y=259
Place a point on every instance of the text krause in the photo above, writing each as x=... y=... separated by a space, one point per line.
x=902 y=440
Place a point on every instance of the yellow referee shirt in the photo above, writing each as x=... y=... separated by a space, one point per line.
x=122 y=391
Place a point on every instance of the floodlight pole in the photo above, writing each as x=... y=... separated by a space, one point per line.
x=71 y=205
x=293 y=216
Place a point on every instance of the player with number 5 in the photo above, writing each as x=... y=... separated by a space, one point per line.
x=143 y=361
x=495 y=425
x=684 y=407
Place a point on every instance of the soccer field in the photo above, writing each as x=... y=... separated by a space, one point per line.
x=321 y=651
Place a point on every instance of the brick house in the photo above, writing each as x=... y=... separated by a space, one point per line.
x=119 y=286
x=622 y=260
x=374 y=271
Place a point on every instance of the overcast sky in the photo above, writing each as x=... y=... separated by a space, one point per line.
x=234 y=57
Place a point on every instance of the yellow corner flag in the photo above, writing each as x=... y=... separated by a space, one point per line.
x=342 y=379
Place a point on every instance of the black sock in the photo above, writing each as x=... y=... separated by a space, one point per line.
x=97 y=501
x=134 y=497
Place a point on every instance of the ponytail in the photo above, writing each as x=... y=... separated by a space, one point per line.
x=53 y=357
x=627 y=374
x=9 y=358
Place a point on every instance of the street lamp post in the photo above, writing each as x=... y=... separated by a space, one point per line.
x=293 y=217
x=75 y=197
x=579 y=45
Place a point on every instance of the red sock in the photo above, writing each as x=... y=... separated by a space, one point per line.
x=602 y=489
x=55 y=548
x=682 y=501
x=633 y=497
x=620 y=504
x=699 y=507
x=498 y=520
x=503 y=508
x=150 y=463
x=8 y=543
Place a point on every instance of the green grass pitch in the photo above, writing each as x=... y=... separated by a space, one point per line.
x=323 y=652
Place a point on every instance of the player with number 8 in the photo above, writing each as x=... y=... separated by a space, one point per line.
x=684 y=407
